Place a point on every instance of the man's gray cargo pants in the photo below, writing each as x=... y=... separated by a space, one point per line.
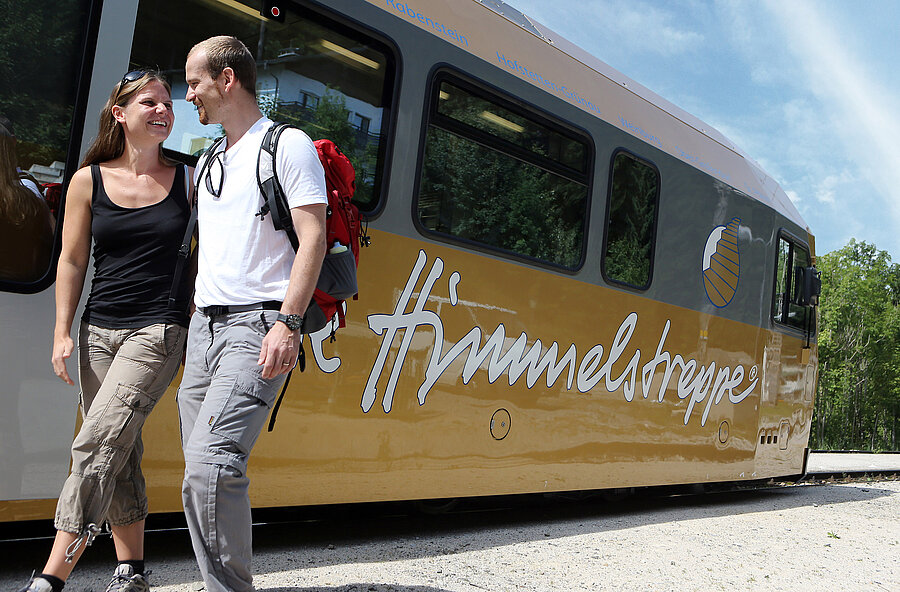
x=223 y=403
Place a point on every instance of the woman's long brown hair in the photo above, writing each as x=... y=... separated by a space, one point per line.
x=17 y=202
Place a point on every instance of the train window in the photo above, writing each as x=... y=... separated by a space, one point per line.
x=790 y=256
x=328 y=79
x=502 y=176
x=631 y=221
x=491 y=118
x=41 y=44
x=781 y=279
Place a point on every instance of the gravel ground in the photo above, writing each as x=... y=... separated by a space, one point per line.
x=823 y=536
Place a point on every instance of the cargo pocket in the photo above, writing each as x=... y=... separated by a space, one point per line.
x=262 y=322
x=124 y=417
x=174 y=337
x=241 y=419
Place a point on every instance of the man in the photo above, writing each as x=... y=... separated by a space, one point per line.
x=251 y=291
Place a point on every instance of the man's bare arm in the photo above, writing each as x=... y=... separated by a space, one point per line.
x=281 y=345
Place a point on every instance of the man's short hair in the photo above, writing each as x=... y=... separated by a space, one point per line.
x=229 y=52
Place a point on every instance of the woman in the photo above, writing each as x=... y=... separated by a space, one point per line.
x=26 y=224
x=133 y=202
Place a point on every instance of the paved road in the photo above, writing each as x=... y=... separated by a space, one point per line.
x=822 y=536
x=832 y=462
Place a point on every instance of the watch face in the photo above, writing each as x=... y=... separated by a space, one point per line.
x=293 y=321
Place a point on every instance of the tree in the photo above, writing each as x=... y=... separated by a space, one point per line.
x=858 y=396
x=632 y=213
x=331 y=119
x=480 y=194
x=39 y=65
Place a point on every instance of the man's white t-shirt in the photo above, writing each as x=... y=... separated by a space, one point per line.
x=242 y=258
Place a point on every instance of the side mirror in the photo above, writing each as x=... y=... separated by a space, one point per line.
x=807 y=286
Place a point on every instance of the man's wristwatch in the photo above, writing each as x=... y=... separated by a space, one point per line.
x=293 y=321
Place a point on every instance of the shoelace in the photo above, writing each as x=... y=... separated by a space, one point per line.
x=86 y=538
x=119 y=581
x=30 y=585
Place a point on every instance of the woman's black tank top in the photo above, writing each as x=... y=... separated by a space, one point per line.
x=135 y=251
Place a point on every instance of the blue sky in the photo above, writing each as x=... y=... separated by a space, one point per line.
x=810 y=90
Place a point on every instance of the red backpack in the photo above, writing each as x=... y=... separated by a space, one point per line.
x=343 y=230
x=343 y=234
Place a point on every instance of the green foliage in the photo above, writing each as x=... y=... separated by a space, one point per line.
x=632 y=212
x=479 y=194
x=476 y=185
x=38 y=74
x=330 y=119
x=858 y=398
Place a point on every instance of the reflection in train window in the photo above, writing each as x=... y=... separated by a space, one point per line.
x=630 y=225
x=790 y=256
x=503 y=177
x=326 y=79
x=40 y=62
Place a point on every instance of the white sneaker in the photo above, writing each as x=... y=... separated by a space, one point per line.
x=37 y=585
x=125 y=580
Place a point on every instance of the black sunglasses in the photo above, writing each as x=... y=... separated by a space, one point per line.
x=129 y=77
x=216 y=169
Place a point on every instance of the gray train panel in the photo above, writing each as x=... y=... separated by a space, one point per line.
x=692 y=203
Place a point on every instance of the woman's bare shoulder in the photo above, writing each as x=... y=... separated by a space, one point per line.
x=81 y=185
x=81 y=176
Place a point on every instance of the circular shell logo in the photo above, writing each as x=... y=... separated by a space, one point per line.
x=722 y=263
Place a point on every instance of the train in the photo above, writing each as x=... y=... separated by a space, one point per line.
x=570 y=283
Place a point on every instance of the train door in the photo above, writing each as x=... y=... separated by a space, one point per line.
x=789 y=362
x=47 y=50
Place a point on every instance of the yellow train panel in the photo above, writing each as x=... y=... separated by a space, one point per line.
x=401 y=405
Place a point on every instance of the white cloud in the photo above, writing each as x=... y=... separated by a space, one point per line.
x=656 y=29
x=741 y=26
x=802 y=116
x=830 y=187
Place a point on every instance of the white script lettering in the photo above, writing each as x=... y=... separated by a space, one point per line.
x=696 y=384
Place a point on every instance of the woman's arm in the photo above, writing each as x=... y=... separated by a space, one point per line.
x=73 y=262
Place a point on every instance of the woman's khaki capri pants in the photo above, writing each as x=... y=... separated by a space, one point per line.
x=123 y=373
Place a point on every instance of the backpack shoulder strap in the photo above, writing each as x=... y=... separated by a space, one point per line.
x=274 y=200
x=301 y=365
x=184 y=251
x=187 y=183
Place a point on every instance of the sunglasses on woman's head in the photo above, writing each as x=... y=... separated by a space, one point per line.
x=129 y=77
